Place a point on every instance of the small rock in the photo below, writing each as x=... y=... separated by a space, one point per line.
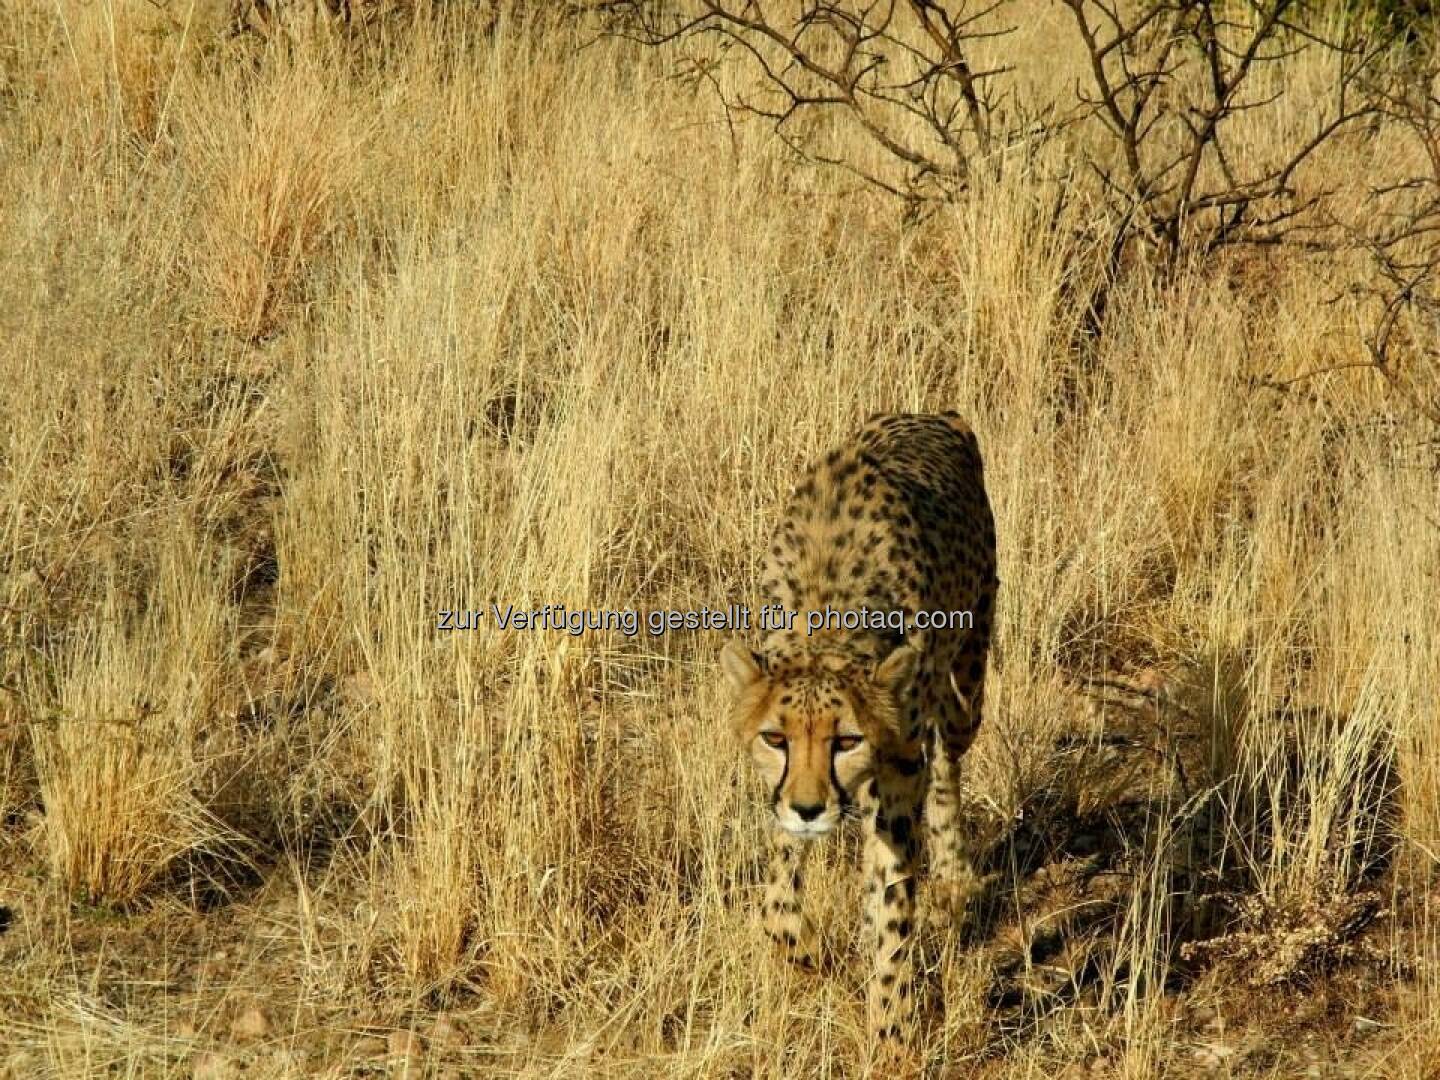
x=369 y=1046
x=213 y=1066
x=446 y=1033
x=407 y=1049
x=250 y=1025
x=403 y=1042
x=1212 y=1055
x=1151 y=681
x=1365 y=1026
x=359 y=689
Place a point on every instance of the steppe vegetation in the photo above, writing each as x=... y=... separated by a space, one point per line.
x=315 y=323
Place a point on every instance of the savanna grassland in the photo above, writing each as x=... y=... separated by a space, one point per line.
x=309 y=332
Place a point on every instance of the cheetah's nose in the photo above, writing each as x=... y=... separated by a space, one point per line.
x=808 y=813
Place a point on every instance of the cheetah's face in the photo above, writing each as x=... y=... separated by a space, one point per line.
x=815 y=738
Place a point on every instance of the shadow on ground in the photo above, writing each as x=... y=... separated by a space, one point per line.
x=1147 y=841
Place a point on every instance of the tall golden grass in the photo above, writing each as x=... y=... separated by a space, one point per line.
x=305 y=340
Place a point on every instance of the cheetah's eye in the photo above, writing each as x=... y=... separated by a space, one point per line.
x=843 y=743
x=773 y=739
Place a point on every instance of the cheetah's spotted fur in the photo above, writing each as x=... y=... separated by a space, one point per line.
x=874 y=721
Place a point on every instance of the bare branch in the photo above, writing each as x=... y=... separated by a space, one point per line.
x=900 y=70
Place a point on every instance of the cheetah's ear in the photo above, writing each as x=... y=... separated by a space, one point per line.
x=742 y=666
x=896 y=670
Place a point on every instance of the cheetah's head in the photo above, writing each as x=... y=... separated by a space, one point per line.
x=815 y=732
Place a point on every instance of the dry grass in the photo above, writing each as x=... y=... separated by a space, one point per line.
x=307 y=340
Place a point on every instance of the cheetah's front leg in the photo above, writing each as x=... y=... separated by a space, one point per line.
x=950 y=882
x=891 y=860
x=784 y=920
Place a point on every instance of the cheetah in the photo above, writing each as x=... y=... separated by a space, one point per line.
x=873 y=720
